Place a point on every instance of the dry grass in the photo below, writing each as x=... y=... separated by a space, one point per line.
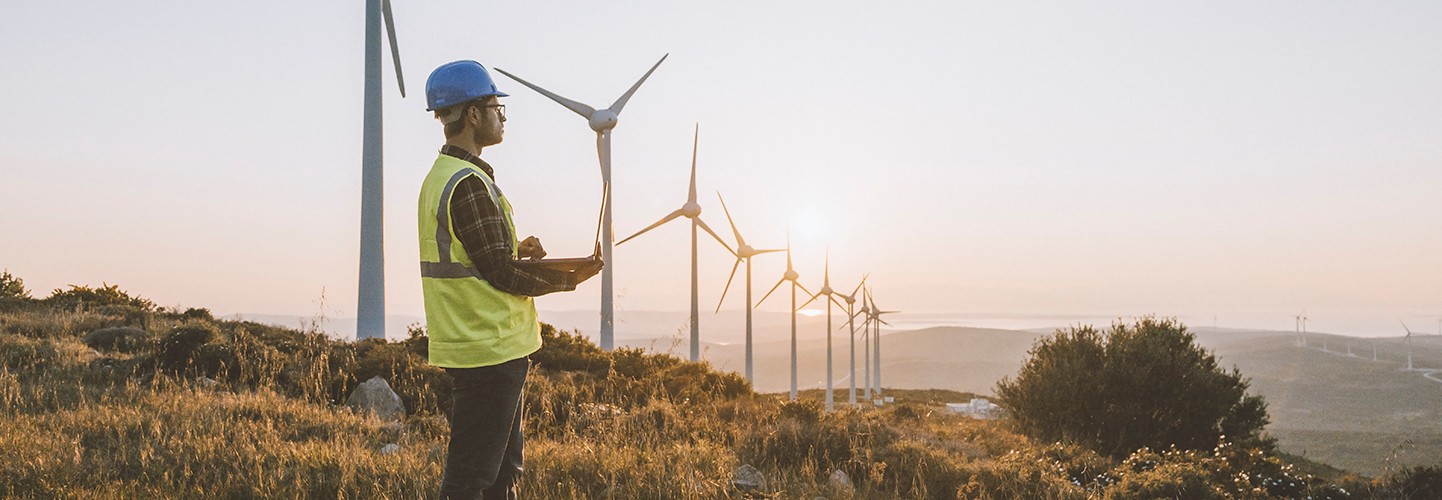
x=626 y=424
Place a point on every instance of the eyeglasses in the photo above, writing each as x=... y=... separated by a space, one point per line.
x=500 y=109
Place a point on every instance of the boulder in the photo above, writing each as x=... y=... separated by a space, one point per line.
x=748 y=479
x=390 y=448
x=375 y=396
x=206 y=382
x=841 y=481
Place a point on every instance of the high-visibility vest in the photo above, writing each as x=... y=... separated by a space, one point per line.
x=470 y=323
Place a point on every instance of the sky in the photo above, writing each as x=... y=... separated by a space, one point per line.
x=1228 y=163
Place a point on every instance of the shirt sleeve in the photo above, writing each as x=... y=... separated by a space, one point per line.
x=483 y=231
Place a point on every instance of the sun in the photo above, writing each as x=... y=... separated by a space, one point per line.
x=811 y=313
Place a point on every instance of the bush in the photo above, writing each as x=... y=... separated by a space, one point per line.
x=1416 y=482
x=190 y=346
x=12 y=287
x=80 y=296
x=568 y=351
x=1136 y=386
x=118 y=338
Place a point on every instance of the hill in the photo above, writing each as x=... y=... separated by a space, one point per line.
x=119 y=398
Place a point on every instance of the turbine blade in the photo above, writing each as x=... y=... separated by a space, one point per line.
x=580 y=109
x=728 y=284
x=837 y=302
x=859 y=285
x=803 y=287
x=691 y=196
x=808 y=301
x=773 y=250
x=668 y=218
x=703 y=225
x=739 y=241
x=621 y=102
x=773 y=288
x=395 y=52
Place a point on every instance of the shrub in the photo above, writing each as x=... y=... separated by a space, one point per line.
x=118 y=338
x=190 y=346
x=80 y=296
x=569 y=351
x=1141 y=385
x=1416 y=482
x=12 y=287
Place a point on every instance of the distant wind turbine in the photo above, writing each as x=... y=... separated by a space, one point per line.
x=1408 y=341
x=791 y=276
x=830 y=299
x=602 y=121
x=691 y=210
x=851 y=314
x=876 y=314
x=371 y=300
x=743 y=252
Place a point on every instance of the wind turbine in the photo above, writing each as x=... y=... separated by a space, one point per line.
x=791 y=276
x=743 y=252
x=830 y=299
x=601 y=121
x=691 y=210
x=371 y=300
x=1407 y=340
x=876 y=313
x=1297 y=327
x=851 y=314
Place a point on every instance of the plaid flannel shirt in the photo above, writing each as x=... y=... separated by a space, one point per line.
x=482 y=229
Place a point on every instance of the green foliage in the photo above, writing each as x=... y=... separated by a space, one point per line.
x=1423 y=482
x=1144 y=385
x=82 y=296
x=569 y=351
x=119 y=339
x=12 y=287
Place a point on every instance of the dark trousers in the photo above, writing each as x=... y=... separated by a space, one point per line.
x=485 y=453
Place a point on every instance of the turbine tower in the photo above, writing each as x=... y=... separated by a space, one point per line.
x=743 y=252
x=371 y=290
x=602 y=121
x=830 y=299
x=791 y=276
x=691 y=210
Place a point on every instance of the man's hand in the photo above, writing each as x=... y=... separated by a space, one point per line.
x=531 y=248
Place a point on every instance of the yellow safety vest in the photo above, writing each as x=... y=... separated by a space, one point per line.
x=470 y=323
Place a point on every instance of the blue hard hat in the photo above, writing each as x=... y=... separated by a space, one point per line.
x=457 y=82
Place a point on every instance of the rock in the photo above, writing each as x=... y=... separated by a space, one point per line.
x=206 y=382
x=841 y=481
x=390 y=448
x=747 y=478
x=375 y=396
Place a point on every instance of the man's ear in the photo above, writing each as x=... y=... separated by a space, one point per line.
x=473 y=115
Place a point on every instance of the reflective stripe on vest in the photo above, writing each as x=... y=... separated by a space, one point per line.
x=470 y=323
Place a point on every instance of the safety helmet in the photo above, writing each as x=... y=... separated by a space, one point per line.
x=457 y=82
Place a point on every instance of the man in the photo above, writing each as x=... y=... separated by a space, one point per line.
x=478 y=291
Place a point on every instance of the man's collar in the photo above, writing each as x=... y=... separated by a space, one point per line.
x=454 y=151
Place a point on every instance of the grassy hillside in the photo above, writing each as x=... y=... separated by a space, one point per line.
x=184 y=405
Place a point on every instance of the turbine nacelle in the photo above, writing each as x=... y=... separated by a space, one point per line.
x=691 y=210
x=602 y=120
x=790 y=275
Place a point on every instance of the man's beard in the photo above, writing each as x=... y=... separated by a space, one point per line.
x=486 y=135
